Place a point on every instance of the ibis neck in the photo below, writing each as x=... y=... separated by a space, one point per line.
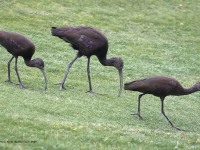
x=29 y=63
x=186 y=91
x=106 y=62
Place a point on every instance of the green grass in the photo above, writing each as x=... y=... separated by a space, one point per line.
x=153 y=38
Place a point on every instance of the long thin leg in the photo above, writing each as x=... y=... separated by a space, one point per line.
x=138 y=113
x=89 y=78
x=67 y=71
x=9 y=79
x=163 y=112
x=16 y=70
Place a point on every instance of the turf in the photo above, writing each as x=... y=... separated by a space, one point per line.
x=152 y=37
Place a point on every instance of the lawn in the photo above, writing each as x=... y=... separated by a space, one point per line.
x=152 y=37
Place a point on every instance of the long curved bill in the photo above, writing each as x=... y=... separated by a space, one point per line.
x=45 y=78
x=120 y=81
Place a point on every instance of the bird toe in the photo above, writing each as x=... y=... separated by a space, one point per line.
x=9 y=81
x=62 y=87
x=22 y=86
x=90 y=91
x=138 y=115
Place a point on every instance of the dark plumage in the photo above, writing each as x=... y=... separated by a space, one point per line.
x=18 y=45
x=88 y=41
x=161 y=87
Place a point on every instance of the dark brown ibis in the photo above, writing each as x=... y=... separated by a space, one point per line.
x=88 y=41
x=19 y=45
x=160 y=86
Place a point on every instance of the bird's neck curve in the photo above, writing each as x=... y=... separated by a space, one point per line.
x=190 y=90
x=29 y=62
x=106 y=62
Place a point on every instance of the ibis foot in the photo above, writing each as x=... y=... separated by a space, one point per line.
x=138 y=115
x=90 y=91
x=9 y=81
x=62 y=87
x=22 y=86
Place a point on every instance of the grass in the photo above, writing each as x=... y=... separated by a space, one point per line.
x=153 y=38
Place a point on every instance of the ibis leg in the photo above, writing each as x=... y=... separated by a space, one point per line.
x=9 y=79
x=67 y=71
x=138 y=113
x=163 y=112
x=16 y=70
x=89 y=78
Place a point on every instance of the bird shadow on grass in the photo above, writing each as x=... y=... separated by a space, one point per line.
x=104 y=95
x=95 y=93
x=175 y=128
